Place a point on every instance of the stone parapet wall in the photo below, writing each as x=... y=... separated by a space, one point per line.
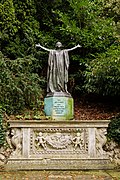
x=59 y=145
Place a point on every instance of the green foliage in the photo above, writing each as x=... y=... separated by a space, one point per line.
x=103 y=73
x=8 y=19
x=113 y=131
x=94 y=24
x=84 y=24
x=2 y=130
x=19 y=27
x=20 y=86
x=26 y=22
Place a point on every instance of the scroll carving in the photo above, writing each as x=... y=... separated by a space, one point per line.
x=16 y=142
x=100 y=141
x=13 y=146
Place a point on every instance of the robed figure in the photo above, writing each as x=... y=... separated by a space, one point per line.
x=58 y=64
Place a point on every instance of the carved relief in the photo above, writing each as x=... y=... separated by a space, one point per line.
x=59 y=141
x=100 y=141
x=14 y=145
x=113 y=151
x=16 y=142
x=50 y=145
x=41 y=140
x=77 y=141
x=5 y=151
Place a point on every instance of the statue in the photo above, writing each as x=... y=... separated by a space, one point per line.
x=58 y=64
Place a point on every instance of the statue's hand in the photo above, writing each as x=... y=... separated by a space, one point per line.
x=37 y=45
x=79 y=45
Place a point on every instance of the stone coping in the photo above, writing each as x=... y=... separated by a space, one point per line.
x=58 y=94
x=53 y=123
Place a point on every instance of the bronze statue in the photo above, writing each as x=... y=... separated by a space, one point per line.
x=58 y=64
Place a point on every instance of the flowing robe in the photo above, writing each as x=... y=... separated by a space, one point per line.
x=57 y=73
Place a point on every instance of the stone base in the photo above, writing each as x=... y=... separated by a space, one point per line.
x=59 y=106
x=53 y=145
x=59 y=164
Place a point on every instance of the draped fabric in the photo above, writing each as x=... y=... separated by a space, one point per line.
x=57 y=74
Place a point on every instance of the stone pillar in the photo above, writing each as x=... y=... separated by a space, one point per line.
x=26 y=142
x=59 y=106
x=91 y=142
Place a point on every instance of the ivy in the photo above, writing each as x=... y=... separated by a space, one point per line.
x=2 y=130
x=113 y=131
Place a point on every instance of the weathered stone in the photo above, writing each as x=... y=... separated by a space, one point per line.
x=60 y=177
x=59 y=145
x=59 y=106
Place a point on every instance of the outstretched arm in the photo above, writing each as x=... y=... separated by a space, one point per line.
x=38 y=45
x=73 y=48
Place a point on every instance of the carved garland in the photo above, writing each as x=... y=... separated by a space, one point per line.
x=59 y=140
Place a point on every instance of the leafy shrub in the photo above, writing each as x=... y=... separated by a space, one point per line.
x=103 y=73
x=93 y=24
x=113 y=131
x=20 y=86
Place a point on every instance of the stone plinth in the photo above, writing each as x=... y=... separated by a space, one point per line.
x=63 y=145
x=59 y=106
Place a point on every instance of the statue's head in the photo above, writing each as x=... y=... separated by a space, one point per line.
x=40 y=134
x=58 y=45
x=78 y=134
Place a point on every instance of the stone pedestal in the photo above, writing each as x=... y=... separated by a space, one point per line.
x=59 y=106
